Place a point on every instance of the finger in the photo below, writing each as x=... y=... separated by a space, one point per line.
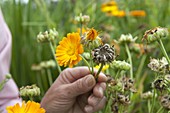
x=93 y=100
x=98 y=90
x=99 y=106
x=82 y=99
x=70 y=75
x=81 y=86
x=102 y=77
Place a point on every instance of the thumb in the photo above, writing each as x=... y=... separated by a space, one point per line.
x=82 y=85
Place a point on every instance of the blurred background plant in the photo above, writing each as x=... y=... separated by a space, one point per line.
x=26 y=18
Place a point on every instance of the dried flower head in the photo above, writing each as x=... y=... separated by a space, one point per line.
x=126 y=39
x=122 y=65
x=147 y=95
x=128 y=83
x=165 y=101
x=159 y=65
x=30 y=91
x=123 y=99
x=104 y=54
x=159 y=84
x=155 y=34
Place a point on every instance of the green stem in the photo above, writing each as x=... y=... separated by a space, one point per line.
x=31 y=98
x=92 y=64
x=160 y=109
x=108 y=103
x=142 y=62
x=49 y=77
x=149 y=106
x=100 y=69
x=86 y=62
x=53 y=52
x=130 y=60
x=81 y=28
x=117 y=74
x=163 y=50
x=153 y=101
x=39 y=81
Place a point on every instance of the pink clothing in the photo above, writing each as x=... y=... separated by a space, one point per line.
x=9 y=95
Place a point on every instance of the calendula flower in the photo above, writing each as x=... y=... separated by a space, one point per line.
x=104 y=54
x=109 y=8
x=105 y=67
x=69 y=49
x=155 y=34
x=91 y=34
x=117 y=13
x=137 y=13
x=29 y=107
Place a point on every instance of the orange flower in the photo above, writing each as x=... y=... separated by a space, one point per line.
x=137 y=13
x=29 y=107
x=68 y=50
x=91 y=34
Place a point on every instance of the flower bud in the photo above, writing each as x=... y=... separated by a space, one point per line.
x=155 y=34
x=83 y=19
x=30 y=91
x=126 y=39
x=122 y=65
x=47 y=36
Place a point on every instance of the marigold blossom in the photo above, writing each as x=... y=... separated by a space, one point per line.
x=69 y=49
x=137 y=13
x=29 y=107
x=91 y=34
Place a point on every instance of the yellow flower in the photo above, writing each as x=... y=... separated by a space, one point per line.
x=105 y=67
x=29 y=107
x=68 y=50
x=137 y=13
x=109 y=8
x=91 y=34
x=83 y=30
x=118 y=13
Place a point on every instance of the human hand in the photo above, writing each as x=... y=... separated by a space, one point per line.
x=75 y=91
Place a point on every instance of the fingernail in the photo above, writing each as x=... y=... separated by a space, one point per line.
x=101 y=91
x=88 y=109
x=89 y=81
